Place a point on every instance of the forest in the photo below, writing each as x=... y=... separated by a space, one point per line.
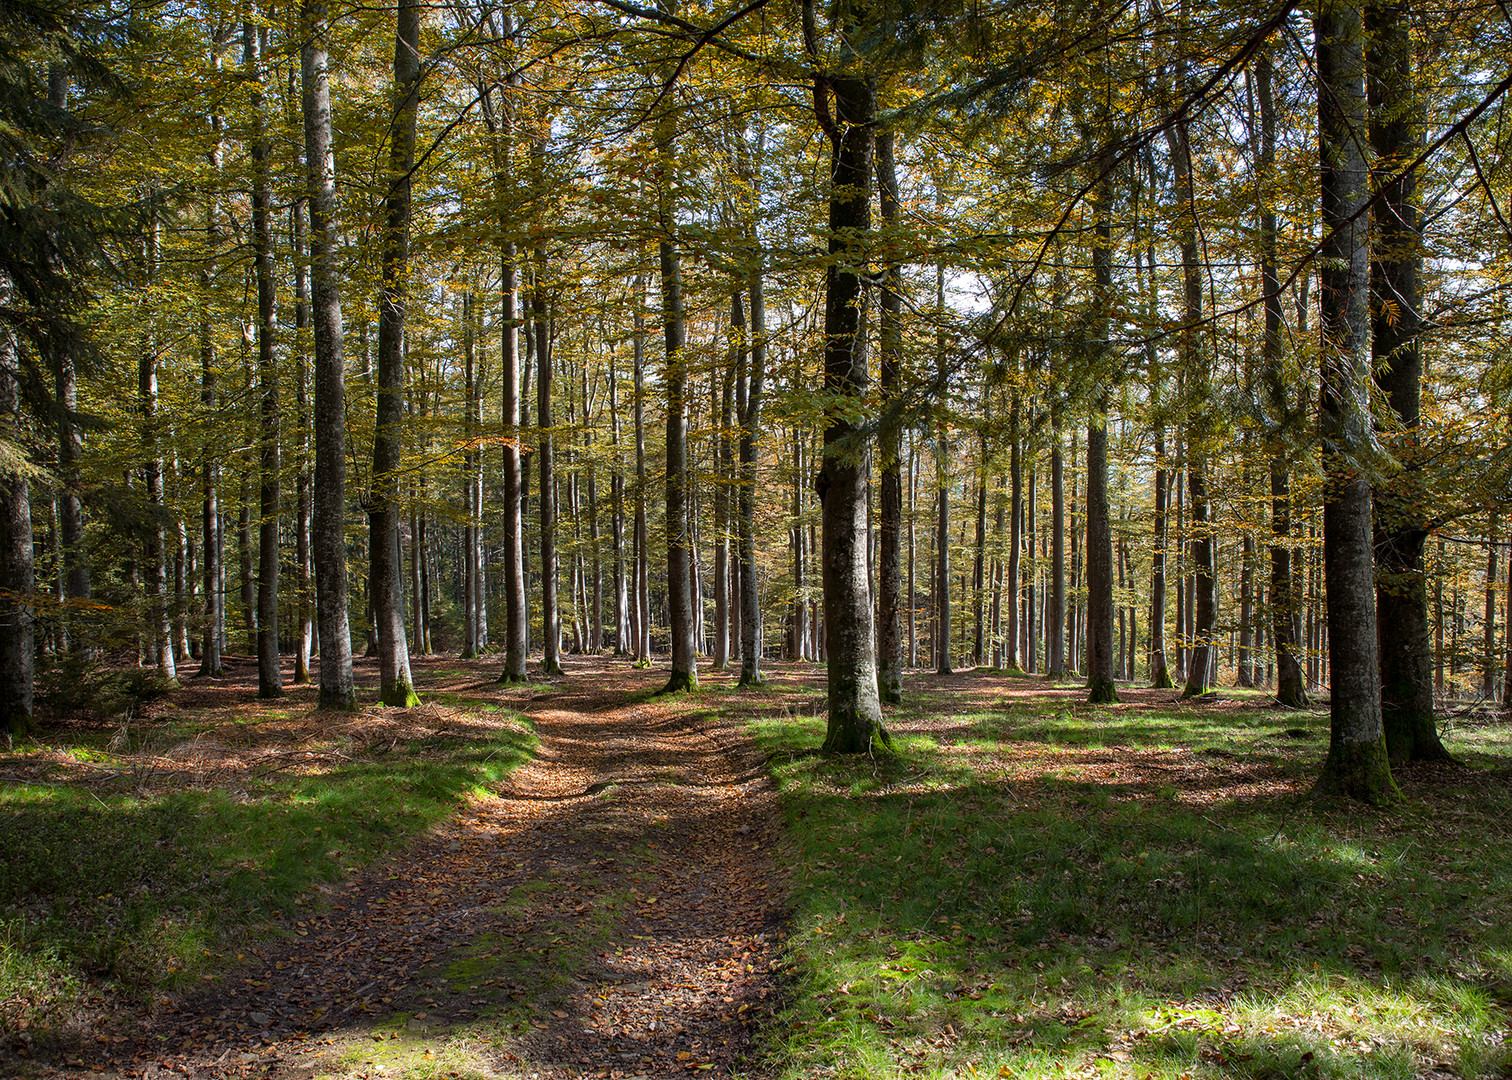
x=799 y=378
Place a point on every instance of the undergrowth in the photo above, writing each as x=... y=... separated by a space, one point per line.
x=1036 y=891
x=129 y=888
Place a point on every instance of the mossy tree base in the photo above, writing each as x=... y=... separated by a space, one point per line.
x=680 y=681
x=1101 y=692
x=749 y=677
x=18 y=725
x=1414 y=737
x=1293 y=699
x=552 y=669
x=1162 y=679
x=401 y=695
x=341 y=701
x=1195 y=690
x=509 y=678
x=216 y=672
x=1357 y=771
x=855 y=733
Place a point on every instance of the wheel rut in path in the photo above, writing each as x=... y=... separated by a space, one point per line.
x=613 y=912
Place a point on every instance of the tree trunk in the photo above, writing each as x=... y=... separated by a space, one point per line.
x=303 y=495
x=396 y=685
x=1357 y=765
x=17 y=616
x=328 y=513
x=269 y=673
x=890 y=341
x=722 y=405
x=642 y=599
x=1488 y=623
x=751 y=636
x=551 y=634
x=1055 y=629
x=210 y=463
x=979 y=565
x=1400 y=534
x=1099 y=549
x=855 y=711
x=617 y=518
x=1015 y=531
x=160 y=630
x=942 y=497
x=680 y=585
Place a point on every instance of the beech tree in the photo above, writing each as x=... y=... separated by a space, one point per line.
x=1357 y=765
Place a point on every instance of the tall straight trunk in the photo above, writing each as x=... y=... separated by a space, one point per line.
x=1099 y=528
x=1507 y=653
x=855 y=710
x=979 y=565
x=17 y=615
x=617 y=517
x=998 y=524
x=1183 y=622
x=722 y=405
x=328 y=514
x=1488 y=622
x=498 y=116
x=269 y=673
x=1031 y=530
x=396 y=686
x=1246 y=662
x=245 y=572
x=210 y=453
x=913 y=591
x=551 y=633
x=751 y=632
x=75 y=569
x=472 y=643
x=889 y=442
x=1160 y=675
x=680 y=584
x=160 y=630
x=1055 y=628
x=801 y=650
x=595 y=620
x=303 y=494
x=1076 y=616
x=642 y=604
x=1201 y=659
x=1400 y=533
x=1357 y=765
x=1285 y=601
x=1122 y=665
x=1015 y=531
x=942 y=497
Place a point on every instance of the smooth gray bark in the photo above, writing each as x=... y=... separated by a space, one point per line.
x=889 y=443
x=1357 y=765
x=1400 y=503
x=328 y=510
x=396 y=686
x=1099 y=547
x=269 y=672
x=855 y=710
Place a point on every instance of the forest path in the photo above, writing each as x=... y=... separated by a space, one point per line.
x=613 y=911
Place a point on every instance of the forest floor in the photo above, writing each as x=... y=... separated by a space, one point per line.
x=578 y=878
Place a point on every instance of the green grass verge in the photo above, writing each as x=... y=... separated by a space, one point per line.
x=125 y=891
x=1009 y=899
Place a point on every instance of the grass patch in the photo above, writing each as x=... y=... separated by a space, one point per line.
x=1038 y=889
x=142 y=860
